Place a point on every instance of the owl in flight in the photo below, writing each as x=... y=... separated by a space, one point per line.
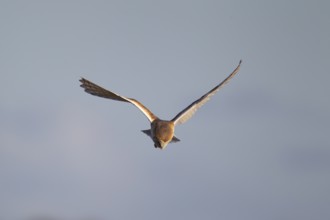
x=161 y=131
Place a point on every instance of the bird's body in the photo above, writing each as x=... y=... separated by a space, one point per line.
x=161 y=131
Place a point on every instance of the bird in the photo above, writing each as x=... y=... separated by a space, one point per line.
x=161 y=131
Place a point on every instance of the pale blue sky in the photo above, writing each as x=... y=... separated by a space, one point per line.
x=259 y=149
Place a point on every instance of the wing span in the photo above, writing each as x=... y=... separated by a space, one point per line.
x=189 y=111
x=96 y=90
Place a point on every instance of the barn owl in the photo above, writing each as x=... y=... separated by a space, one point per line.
x=161 y=131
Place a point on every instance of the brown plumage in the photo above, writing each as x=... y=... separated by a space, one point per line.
x=161 y=131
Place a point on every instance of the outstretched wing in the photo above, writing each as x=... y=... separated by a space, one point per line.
x=96 y=90
x=189 y=111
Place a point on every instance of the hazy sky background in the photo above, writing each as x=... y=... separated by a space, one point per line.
x=259 y=149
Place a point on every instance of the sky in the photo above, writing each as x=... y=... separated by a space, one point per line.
x=259 y=149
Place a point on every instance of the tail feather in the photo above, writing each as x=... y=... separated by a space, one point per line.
x=147 y=132
x=175 y=139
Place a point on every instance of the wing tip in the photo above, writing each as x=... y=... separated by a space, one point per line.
x=239 y=63
x=82 y=80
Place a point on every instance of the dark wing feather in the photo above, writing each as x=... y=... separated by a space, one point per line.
x=96 y=90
